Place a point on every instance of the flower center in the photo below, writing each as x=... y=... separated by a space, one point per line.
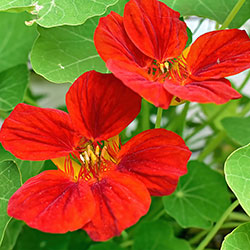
x=90 y=160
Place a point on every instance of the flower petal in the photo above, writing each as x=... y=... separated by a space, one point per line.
x=32 y=133
x=52 y=202
x=210 y=91
x=136 y=79
x=120 y=202
x=112 y=41
x=218 y=54
x=100 y=106
x=157 y=157
x=155 y=29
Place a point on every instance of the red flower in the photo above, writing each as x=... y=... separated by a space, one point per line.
x=100 y=185
x=145 y=49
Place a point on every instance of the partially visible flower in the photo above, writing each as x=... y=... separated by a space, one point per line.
x=100 y=186
x=146 y=50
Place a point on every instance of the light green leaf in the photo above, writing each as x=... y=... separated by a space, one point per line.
x=16 y=39
x=157 y=235
x=9 y=183
x=12 y=232
x=62 y=54
x=212 y=9
x=238 y=128
x=237 y=171
x=200 y=199
x=31 y=239
x=51 y=13
x=239 y=239
x=13 y=85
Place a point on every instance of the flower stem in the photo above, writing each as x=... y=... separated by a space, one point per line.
x=158 y=118
x=145 y=115
x=232 y=14
x=244 y=82
x=217 y=226
x=239 y=217
x=212 y=145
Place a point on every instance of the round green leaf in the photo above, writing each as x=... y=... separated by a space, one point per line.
x=239 y=239
x=237 y=171
x=16 y=39
x=62 y=54
x=13 y=84
x=157 y=235
x=49 y=13
x=200 y=199
x=9 y=183
x=238 y=128
x=212 y=9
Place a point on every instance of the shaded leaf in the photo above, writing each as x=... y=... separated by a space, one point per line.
x=238 y=128
x=13 y=85
x=237 y=171
x=11 y=234
x=238 y=239
x=157 y=235
x=200 y=199
x=212 y=9
x=105 y=246
x=49 y=13
x=16 y=39
x=9 y=183
x=31 y=239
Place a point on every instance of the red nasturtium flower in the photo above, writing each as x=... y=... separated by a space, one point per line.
x=146 y=50
x=100 y=186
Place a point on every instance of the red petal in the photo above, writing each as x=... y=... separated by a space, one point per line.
x=112 y=41
x=51 y=202
x=155 y=29
x=157 y=157
x=210 y=91
x=136 y=79
x=120 y=202
x=32 y=133
x=218 y=54
x=100 y=106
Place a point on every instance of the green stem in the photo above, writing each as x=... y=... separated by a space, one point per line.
x=212 y=145
x=145 y=115
x=198 y=237
x=158 y=118
x=217 y=226
x=244 y=82
x=127 y=243
x=238 y=217
x=159 y=215
x=232 y=14
x=230 y=225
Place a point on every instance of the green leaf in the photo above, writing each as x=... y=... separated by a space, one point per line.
x=200 y=199
x=238 y=128
x=9 y=183
x=13 y=85
x=62 y=54
x=237 y=171
x=11 y=234
x=51 y=13
x=31 y=239
x=212 y=9
x=105 y=246
x=157 y=235
x=16 y=39
x=27 y=169
x=239 y=239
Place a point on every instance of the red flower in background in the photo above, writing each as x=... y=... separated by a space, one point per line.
x=146 y=50
x=100 y=186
